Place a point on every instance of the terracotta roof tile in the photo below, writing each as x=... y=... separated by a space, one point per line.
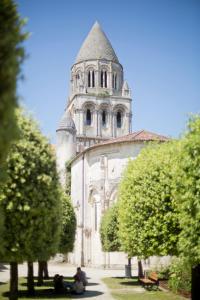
x=141 y=135
x=138 y=136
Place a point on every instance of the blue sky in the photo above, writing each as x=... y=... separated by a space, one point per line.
x=156 y=41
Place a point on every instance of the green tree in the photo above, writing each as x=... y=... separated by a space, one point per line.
x=188 y=197
x=148 y=217
x=68 y=229
x=109 y=230
x=68 y=225
x=31 y=201
x=68 y=177
x=11 y=57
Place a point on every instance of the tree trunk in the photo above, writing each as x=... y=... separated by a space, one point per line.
x=129 y=261
x=129 y=273
x=46 y=273
x=140 y=269
x=195 y=282
x=13 y=281
x=40 y=272
x=30 y=279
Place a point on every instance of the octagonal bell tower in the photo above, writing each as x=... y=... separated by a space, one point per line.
x=100 y=100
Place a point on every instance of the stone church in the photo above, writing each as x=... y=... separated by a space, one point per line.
x=95 y=133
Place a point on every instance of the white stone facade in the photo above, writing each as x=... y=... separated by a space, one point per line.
x=95 y=177
x=95 y=131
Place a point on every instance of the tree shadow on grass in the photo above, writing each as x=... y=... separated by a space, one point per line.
x=41 y=293
x=50 y=293
x=133 y=281
x=130 y=283
x=49 y=282
x=3 y=267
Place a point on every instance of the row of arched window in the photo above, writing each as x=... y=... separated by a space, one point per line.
x=103 y=79
x=104 y=118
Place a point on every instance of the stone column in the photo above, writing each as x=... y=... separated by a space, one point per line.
x=96 y=121
x=81 y=124
x=99 y=124
x=111 y=123
x=127 y=122
x=76 y=120
x=114 y=124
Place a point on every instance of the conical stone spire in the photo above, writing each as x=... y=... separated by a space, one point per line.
x=96 y=46
x=66 y=122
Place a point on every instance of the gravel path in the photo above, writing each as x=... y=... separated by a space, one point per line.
x=96 y=288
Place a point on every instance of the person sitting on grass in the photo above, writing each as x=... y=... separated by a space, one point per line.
x=58 y=283
x=82 y=276
x=77 y=286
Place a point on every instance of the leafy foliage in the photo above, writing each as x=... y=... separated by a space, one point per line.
x=188 y=192
x=163 y=272
x=68 y=225
x=109 y=230
x=148 y=217
x=31 y=197
x=11 y=57
x=180 y=275
x=68 y=177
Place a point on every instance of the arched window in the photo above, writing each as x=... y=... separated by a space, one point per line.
x=91 y=78
x=115 y=83
x=119 y=119
x=88 y=117
x=101 y=78
x=78 y=76
x=104 y=117
x=104 y=79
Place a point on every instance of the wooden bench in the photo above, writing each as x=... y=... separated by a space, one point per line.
x=151 y=280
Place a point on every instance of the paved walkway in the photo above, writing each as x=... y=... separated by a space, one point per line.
x=96 y=289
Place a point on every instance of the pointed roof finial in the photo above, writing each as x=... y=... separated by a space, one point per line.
x=96 y=46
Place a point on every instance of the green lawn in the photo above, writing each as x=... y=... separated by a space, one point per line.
x=43 y=292
x=129 y=289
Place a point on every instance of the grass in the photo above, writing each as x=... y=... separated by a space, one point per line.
x=46 y=291
x=129 y=289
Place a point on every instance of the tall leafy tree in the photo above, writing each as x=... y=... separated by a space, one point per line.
x=31 y=201
x=187 y=194
x=148 y=217
x=11 y=57
x=109 y=230
x=68 y=225
x=68 y=228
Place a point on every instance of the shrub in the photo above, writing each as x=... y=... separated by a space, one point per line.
x=180 y=275
x=164 y=272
